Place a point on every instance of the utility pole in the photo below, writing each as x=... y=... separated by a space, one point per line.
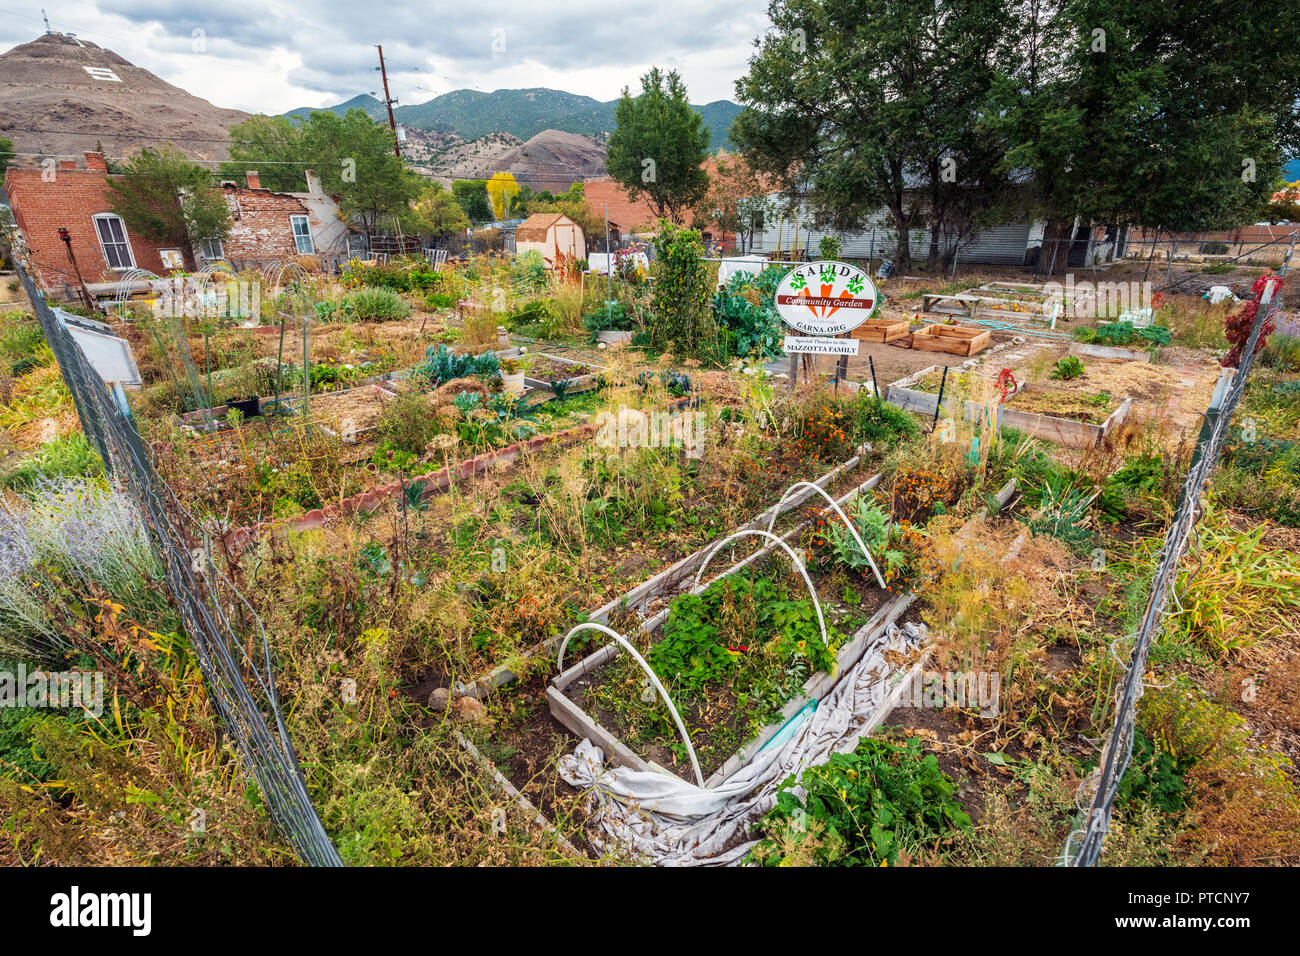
x=388 y=102
x=86 y=297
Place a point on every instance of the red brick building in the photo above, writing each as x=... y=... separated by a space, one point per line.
x=45 y=200
x=265 y=226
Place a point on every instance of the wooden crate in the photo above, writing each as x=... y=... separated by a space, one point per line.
x=881 y=330
x=957 y=339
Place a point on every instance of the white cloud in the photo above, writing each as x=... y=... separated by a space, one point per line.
x=272 y=58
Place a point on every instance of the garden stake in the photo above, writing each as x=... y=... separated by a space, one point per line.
x=279 y=365
x=874 y=387
x=207 y=361
x=939 y=404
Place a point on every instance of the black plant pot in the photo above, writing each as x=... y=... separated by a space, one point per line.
x=248 y=407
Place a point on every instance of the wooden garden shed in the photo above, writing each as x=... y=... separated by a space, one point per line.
x=551 y=233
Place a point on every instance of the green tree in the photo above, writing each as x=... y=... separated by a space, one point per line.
x=855 y=105
x=6 y=154
x=1134 y=111
x=272 y=145
x=165 y=197
x=352 y=155
x=472 y=196
x=435 y=212
x=658 y=146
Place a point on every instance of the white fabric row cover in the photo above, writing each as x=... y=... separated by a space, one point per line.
x=661 y=819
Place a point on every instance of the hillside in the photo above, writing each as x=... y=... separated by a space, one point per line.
x=362 y=101
x=551 y=160
x=472 y=114
x=51 y=102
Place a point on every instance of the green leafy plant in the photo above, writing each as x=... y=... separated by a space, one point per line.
x=68 y=456
x=610 y=317
x=1124 y=335
x=377 y=304
x=1140 y=477
x=861 y=809
x=441 y=365
x=1067 y=368
x=745 y=307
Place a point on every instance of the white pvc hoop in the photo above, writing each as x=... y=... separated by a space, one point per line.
x=201 y=282
x=681 y=728
x=122 y=295
x=274 y=274
x=847 y=523
x=794 y=559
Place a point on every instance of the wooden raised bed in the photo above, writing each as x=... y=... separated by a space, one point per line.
x=1063 y=431
x=578 y=383
x=881 y=330
x=578 y=721
x=818 y=685
x=671 y=581
x=1092 y=350
x=902 y=394
x=957 y=339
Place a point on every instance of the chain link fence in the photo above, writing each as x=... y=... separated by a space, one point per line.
x=1099 y=789
x=225 y=633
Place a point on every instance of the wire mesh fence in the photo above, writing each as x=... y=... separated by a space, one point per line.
x=227 y=637
x=1100 y=788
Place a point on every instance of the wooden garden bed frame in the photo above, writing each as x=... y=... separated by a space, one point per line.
x=579 y=383
x=584 y=726
x=881 y=330
x=957 y=339
x=1063 y=431
x=1092 y=350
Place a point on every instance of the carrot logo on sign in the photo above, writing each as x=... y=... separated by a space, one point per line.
x=826 y=298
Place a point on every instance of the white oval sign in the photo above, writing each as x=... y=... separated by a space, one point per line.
x=825 y=297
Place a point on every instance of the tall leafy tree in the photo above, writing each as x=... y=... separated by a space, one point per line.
x=855 y=105
x=472 y=196
x=658 y=146
x=435 y=212
x=352 y=155
x=272 y=145
x=164 y=196
x=6 y=154
x=1142 y=112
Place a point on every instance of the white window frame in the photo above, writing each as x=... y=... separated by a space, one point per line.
x=305 y=234
x=205 y=246
x=126 y=241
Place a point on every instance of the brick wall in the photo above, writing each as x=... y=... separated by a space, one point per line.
x=260 y=231
x=260 y=228
x=69 y=201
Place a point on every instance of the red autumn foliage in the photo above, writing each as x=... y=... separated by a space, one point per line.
x=1237 y=325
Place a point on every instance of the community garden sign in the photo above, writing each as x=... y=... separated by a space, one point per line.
x=825 y=298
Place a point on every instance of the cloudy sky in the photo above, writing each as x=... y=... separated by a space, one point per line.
x=276 y=56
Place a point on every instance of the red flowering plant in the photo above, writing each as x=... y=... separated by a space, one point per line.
x=1238 y=324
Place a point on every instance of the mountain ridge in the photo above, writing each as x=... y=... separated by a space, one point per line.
x=523 y=113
